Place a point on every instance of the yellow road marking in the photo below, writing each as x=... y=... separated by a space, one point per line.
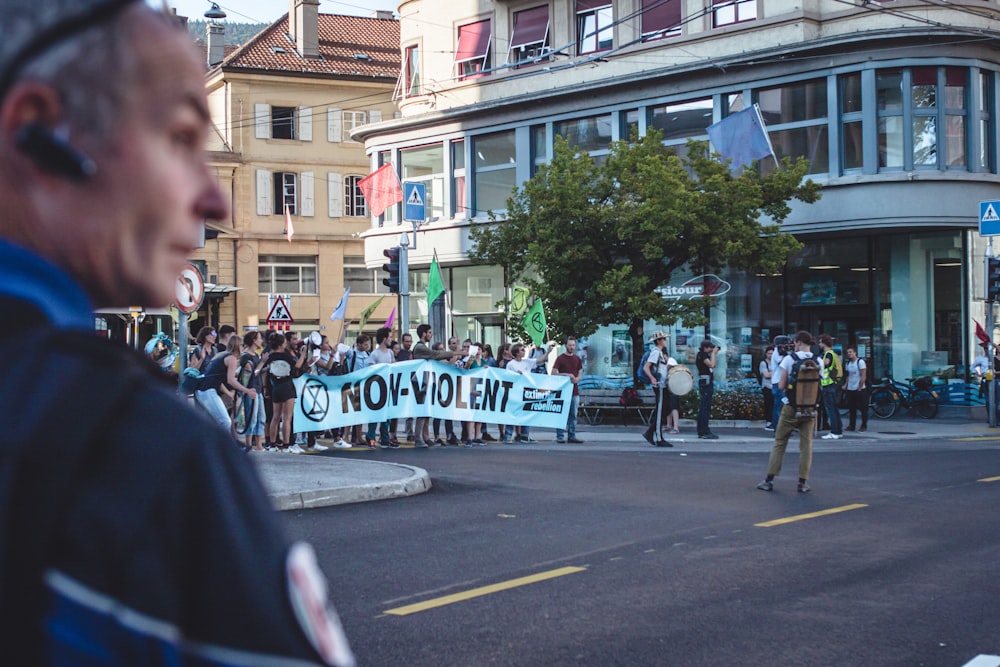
x=482 y=590
x=811 y=515
x=989 y=479
x=975 y=438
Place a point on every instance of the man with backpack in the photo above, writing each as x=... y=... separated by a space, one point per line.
x=799 y=383
x=831 y=373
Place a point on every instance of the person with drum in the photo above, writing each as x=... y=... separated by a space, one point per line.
x=656 y=371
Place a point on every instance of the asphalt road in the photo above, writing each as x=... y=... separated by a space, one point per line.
x=648 y=557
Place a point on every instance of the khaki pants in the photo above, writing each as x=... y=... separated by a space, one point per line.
x=787 y=422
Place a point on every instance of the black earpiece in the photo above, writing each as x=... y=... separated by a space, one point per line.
x=53 y=153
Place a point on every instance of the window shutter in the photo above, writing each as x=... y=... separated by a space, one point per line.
x=262 y=121
x=335 y=194
x=308 y=207
x=305 y=123
x=374 y=116
x=333 y=125
x=263 y=192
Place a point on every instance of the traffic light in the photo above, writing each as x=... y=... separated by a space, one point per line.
x=993 y=278
x=392 y=268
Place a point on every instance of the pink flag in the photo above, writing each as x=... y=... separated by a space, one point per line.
x=289 y=229
x=381 y=189
x=392 y=318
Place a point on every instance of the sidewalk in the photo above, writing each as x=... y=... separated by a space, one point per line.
x=339 y=477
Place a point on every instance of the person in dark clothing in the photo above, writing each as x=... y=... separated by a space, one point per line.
x=705 y=363
x=149 y=539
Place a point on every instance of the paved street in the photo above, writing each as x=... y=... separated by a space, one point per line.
x=615 y=554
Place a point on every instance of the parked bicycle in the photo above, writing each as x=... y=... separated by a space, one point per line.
x=917 y=395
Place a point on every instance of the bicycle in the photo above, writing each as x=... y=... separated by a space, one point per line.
x=917 y=395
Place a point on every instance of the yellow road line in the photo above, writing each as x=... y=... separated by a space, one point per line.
x=811 y=515
x=975 y=438
x=989 y=479
x=481 y=591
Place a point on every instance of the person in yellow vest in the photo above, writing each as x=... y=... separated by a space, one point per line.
x=832 y=371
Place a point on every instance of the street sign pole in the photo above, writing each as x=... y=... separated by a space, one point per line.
x=991 y=389
x=404 y=284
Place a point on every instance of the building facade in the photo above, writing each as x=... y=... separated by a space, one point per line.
x=285 y=105
x=894 y=103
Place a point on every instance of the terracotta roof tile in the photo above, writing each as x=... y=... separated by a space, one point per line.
x=375 y=40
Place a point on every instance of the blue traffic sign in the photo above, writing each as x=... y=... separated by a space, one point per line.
x=989 y=218
x=414 y=198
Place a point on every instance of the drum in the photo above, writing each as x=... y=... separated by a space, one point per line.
x=680 y=381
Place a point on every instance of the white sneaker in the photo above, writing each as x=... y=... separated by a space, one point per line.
x=340 y=444
x=832 y=436
x=295 y=449
x=320 y=448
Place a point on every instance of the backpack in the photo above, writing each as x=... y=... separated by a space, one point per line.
x=802 y=387
x=190 y=379
x=640 y=374
x=630 y=397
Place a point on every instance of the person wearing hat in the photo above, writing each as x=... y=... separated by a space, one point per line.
x=655 y=369
x=135 y=532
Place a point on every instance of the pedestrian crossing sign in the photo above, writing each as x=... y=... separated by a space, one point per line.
x=414 y=201
x=989 y=218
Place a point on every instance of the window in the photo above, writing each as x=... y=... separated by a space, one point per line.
x=851 y=136
x=594 y=29
x=727 y=12
x=496 y=172
x=530 y=40
x=985 y=157
x=922 y=117
x=458 y=208
x=473 y=52
x=282 y=122
x=660 y=18
x=286 y=274
x=411 y=72
x=480 y=286
x=284 y=193
x=354 y=202
x=353 y=119
x=391 y=214
x=680 y=120
x=426 y=165
x=591 y=134
x=796 y=114
x=361 y=280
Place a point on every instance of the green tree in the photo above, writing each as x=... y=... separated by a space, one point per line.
x=595 y=241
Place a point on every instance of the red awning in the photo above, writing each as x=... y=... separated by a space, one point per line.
x=530 y=26
x=660 y=15
x=473 y=41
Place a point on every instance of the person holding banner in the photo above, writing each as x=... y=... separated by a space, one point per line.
x=422 y=350
x=524 y=366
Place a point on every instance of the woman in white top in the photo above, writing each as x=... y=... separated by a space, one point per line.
x=655 y=370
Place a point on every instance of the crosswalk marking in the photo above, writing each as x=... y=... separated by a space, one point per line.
x=482 y=590
x=984 y=661
x=810 y=515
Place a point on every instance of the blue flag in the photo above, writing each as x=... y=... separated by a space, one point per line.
x=341 y=310
x=741 y=137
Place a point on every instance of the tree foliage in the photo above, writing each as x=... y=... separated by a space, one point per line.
x=595 y=240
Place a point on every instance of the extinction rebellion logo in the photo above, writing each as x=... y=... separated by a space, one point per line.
x=697 y=287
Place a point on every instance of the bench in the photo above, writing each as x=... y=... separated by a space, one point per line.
x=594 y=403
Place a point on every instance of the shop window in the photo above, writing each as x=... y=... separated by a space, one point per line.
x=727 y=12
x=472 y=54
x=529 y=42
x=660 y=19
x=495 y=174
x=287 y=274
x=594 y=26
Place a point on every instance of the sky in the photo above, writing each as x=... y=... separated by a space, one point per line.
x=266 y=11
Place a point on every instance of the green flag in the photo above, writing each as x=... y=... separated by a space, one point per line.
x=367 y=312
x=519 y=301
x=435 y=287
x=534 y=322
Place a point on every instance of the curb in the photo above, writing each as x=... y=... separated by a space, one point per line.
x=418 y=481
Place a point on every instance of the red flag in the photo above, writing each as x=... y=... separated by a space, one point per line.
x=289 y=229
x=381 y=189
x=981 y=334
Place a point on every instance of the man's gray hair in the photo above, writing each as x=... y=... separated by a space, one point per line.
x=77 y=47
